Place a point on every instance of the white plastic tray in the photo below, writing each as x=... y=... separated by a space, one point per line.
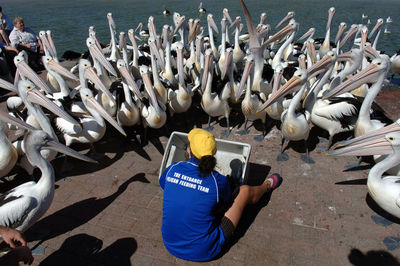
x=232 y=157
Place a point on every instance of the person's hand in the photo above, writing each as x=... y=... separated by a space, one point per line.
x=28 y=46
x=12 y=237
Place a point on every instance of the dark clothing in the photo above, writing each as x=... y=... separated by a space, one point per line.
x=34 y=58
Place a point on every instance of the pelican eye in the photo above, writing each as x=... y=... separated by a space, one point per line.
x=379 y=63
x=391 y=138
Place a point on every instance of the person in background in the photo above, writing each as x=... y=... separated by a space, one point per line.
x=6 y=26
x=24 y=38
x=193 y=194
x=19 y=251
x=9 y=52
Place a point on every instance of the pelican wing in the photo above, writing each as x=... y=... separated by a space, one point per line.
x=398 y=201
x=67 y=127
x=338 y=108
x=15 y=208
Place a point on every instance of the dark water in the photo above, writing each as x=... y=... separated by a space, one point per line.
x=69 y=20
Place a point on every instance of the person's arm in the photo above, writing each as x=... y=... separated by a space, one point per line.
x=40 y=44
x=10 y=48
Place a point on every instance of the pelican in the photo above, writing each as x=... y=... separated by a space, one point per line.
x=9 y=154
x=166 y=12
x=238 y=53
x=57 y=71
x=202 y=10
x=179 y=100
x=22 y=206
x=212 y=26
x=153 y=115
x=128 y=114
x=385 y=190
x=251 y=102
x=377 y=29
x=32 y=98
x=289 y=16
x=212 y=103
x=276 y=109
x=325 y=46
x=26 y=72
x=115 y=55
x=93 y=126
x=395 y=63
x=295 y=126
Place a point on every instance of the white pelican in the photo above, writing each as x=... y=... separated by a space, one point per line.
x=251 y=101
x=295 y=126
x=290 y=15
x=276 y=109
x=93 y=126
x=214 y=104
x=179 y=100
x=128 y=113
x=325 y=46
x=26 y=72
x=153 y=115
x=22 y=206
x=334 y=115
x=32 y=98
x=395 y=63
x=377 y=29
x=202 y=10
x=384 y=190
x=212 y=26
x=115 y=55
x=9 y=154
x=238 y=53
x=222 y=47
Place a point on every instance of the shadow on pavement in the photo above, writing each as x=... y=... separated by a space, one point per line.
x=75 y=215
x=372 y=258
x=83 y=249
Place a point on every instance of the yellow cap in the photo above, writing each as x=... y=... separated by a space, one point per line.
x=202 y=142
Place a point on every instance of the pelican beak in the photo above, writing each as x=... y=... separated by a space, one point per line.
x=27 y=72
x=277 y=81
x=369 y=74
x=98 y=54
x=344 y=56
x=179 y=62
x=129 y=80
x=290 y=86
x=235 y=23
x=342 y=28
x=246 y=74
x=279 y=35
x=150 y=91
x=15 y=121
x=207 y=64
x=371 y=52
x=152 y=26
x=131 y=36
x=180 y=24
x=322 y=64
x=93 y=103
x=308 y=33
x=35 y=96
x=376 y=142
x=7 y=85
x=154 y=50
x=378 y=25
x=227 y=63
x=285 y=19
x=53 y=65
x=57 y=146
x=226 y=14
x=212 y=24
x=349 y=35
x=193 y=31
x=330 y=17
x=92 y=76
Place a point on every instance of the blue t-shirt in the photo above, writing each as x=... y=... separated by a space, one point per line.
x=189 y=227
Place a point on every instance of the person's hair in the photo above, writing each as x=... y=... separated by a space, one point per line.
x=207 y=164
x=1 y=9
x=18 y=19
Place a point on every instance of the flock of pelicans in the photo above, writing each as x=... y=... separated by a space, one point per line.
x=267 y=76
